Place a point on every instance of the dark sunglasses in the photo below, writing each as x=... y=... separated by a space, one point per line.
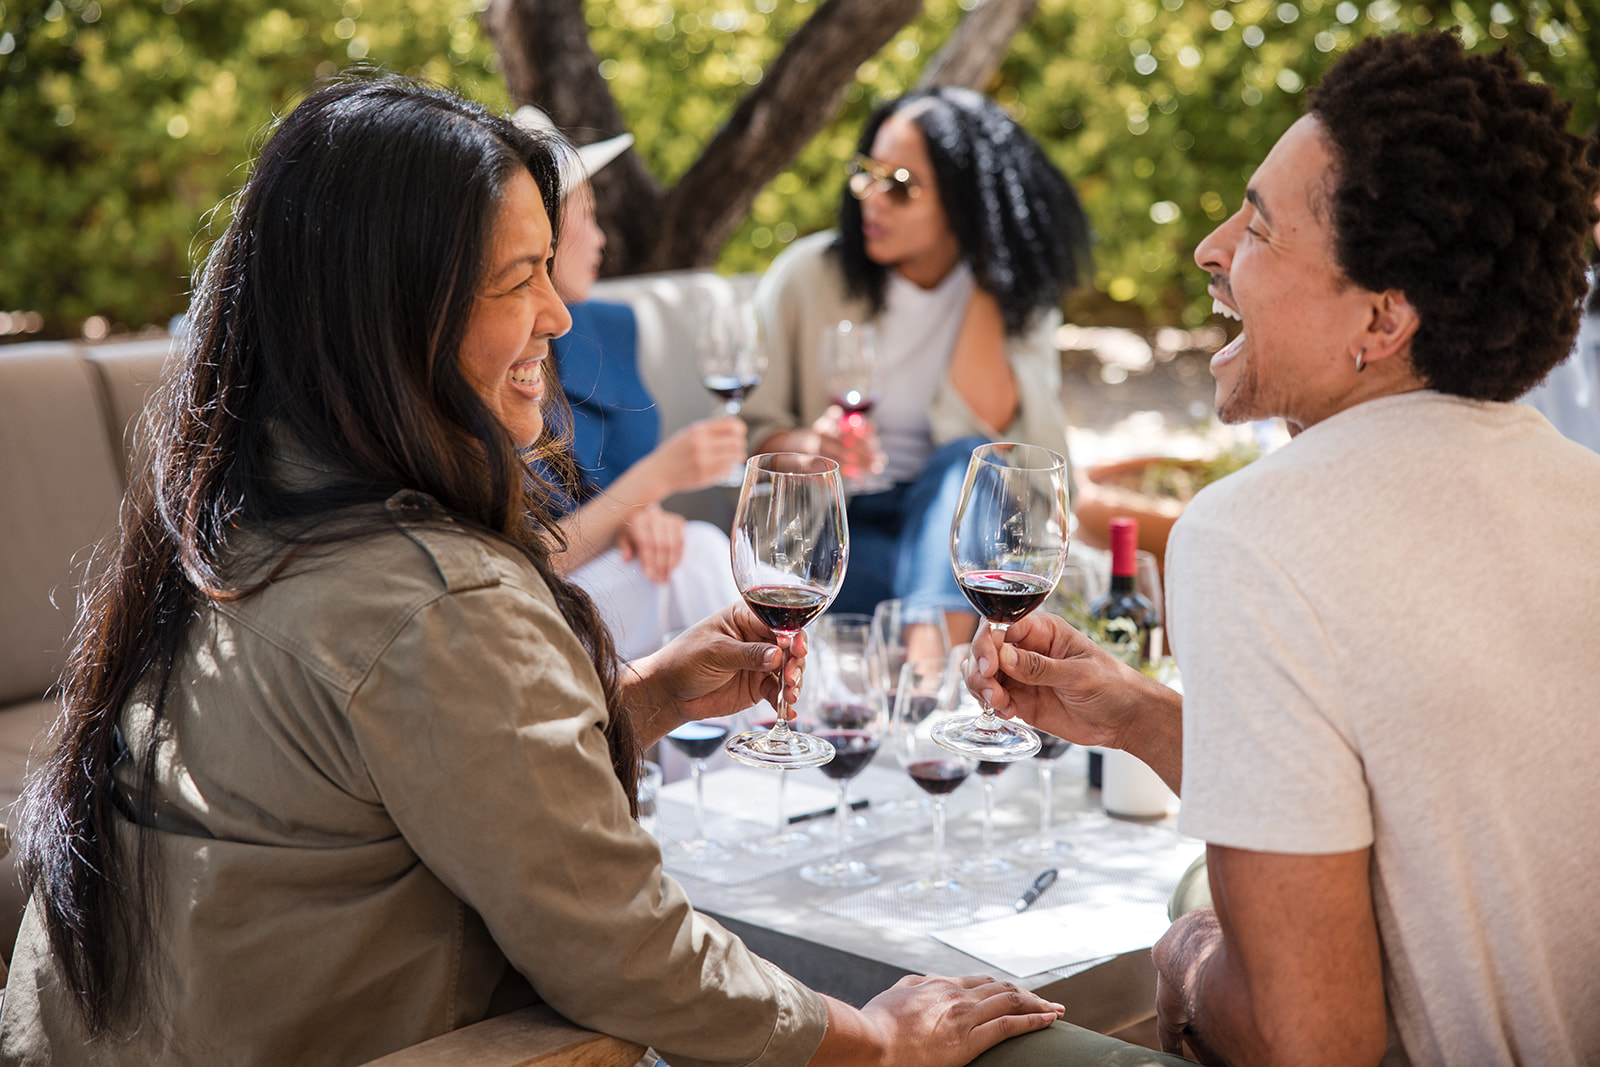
x=868 y=176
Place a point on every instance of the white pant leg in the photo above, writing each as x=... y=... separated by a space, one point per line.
x=640 y=613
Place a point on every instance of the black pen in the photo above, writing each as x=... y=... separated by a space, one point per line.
x=1040 y=884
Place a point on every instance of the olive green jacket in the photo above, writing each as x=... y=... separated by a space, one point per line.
x=386 y=809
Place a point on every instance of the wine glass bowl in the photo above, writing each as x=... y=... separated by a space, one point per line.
x=789 y=545
x=697 y=740
x=1008 y=543
x=924 y=697
x=729 y=352
x=848 y=362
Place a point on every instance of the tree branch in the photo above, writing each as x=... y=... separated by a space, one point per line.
x=973 y=54
x=544 y=52
x=799 y=95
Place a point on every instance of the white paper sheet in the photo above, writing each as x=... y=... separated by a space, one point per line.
x=1046 y=939
x=751 y=794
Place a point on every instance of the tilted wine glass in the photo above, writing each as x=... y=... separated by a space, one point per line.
x=1008 y=542
x=790 y=545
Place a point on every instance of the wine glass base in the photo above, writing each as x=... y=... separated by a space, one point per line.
x=986 y=868
x=703 y=850
x=759 y=748
x=1043 y=848
x=849 y=874
x=1003 y=742
x=778 y=846
x=941 y=893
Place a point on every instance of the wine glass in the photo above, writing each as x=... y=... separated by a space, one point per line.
x=902 y=630
x=730 y=355
x=790 y=545
x=697 y=740
x=848 y=359
x=853 y=722
x=784 y=840
x=988 y=864
x=1044 y=844
x=924 y=698
x=1008 y=542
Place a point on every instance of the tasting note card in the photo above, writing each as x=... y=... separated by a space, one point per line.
x=1045 y=939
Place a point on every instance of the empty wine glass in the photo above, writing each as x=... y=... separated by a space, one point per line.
x=1008 y=542
x=924 y=697
x=1044 y=844
x=790 y=545
x=784 y=840
x=902 y=630
x=988 y=864
x=697 y=740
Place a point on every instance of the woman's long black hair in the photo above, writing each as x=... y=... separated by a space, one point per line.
x=1020 y=225
x=329 y=314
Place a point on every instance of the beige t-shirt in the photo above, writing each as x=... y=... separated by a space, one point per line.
x=386 y=809
x=1387 y=634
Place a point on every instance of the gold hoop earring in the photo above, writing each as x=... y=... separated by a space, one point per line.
x=1361 y=361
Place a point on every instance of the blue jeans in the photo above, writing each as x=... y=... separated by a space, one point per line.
x=900 y=538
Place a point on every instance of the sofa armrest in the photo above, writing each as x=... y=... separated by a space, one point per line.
x=531 y=1037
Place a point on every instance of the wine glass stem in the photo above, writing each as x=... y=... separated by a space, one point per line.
x=1046 y=796
x=783 y=814
x=938 y=840
x=987 y=720
x=988 y=818
x=841 y=820
x=780 y=727
x=698 y=768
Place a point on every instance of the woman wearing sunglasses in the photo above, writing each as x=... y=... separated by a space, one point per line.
x=957 y=240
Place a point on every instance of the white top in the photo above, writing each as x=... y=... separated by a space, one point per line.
x=916 y=336
x=1386 y=631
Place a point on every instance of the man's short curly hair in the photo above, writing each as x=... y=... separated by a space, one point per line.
x=1457 y=182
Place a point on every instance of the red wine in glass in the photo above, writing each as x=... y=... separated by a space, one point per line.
x=1050 y=746
x=855 y=402
x=731 y=389
x=939 y=776
x=786 y=608
x=845 y=714
x=989 y=768
x=852 y=751
x=1003 y=597
x=698 y=740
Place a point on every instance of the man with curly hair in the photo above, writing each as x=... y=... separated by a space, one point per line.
x=1389 y=720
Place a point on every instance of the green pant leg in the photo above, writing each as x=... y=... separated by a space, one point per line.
x=1065 y=1045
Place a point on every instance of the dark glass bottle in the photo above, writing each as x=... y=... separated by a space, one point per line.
x=1124 y=616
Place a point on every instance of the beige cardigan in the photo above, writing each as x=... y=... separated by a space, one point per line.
x=803 y=291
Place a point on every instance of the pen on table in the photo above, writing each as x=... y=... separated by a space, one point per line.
x=1031 y=894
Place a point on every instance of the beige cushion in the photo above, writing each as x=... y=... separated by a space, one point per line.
x=128 y=374
x=60 y=484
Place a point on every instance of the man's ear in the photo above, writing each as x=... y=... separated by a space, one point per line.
x=1392 y=324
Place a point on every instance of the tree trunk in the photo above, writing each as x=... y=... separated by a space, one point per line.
x=544 y=51
x=972 y=56
x=799 y=95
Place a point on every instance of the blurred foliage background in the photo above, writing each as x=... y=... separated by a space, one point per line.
x=124 y=123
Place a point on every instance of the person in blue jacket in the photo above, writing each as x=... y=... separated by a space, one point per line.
x=649 y=571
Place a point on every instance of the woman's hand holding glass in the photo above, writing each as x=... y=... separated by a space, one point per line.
x=719 y=666
x=790 y=545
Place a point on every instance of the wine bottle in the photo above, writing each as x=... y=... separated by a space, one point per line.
x=1123 y=616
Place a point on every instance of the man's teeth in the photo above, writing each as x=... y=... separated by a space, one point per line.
x=1224 y=310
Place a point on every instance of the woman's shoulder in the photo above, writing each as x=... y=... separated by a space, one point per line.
x=808 y=257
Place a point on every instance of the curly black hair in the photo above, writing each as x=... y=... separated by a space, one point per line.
x=1020 y=225
x=1457 y=182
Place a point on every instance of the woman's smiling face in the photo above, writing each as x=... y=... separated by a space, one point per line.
x=516 y=314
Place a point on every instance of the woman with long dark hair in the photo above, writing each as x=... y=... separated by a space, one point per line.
x=343 y=763
x=957 y=240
